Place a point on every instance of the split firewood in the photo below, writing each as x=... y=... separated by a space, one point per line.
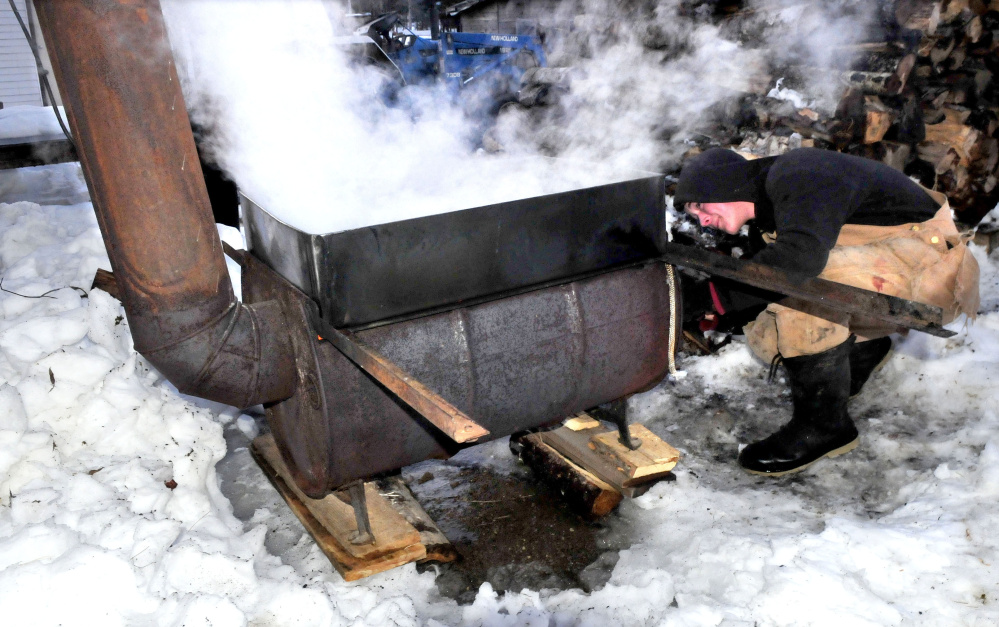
x=921 y=15
x=893 y=154
x=581 y=422
x=941 y=156
x=877 y=119
x=106 y=281
x=985 y=158
x=956 y=58
x=942 y=50
x=956 y=181
x=953 y=132
x=952 y=9
x=974 y=29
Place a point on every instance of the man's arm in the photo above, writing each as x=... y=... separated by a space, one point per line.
x=810 y=207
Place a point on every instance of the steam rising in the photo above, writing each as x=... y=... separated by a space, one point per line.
x=309 y=138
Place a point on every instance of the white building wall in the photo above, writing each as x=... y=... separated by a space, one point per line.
x=18 y=75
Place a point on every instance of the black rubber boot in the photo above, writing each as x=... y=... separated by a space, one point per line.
x=819 y=427
x=865 y=359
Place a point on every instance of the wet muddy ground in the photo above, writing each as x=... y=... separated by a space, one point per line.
x=510 y=530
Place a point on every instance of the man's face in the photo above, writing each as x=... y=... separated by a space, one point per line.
x=724 y=216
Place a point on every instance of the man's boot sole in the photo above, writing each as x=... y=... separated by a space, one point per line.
x=843 y=450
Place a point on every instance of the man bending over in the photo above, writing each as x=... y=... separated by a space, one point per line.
x=845 y=219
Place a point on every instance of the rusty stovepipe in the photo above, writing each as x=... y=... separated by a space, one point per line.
x=115 y=70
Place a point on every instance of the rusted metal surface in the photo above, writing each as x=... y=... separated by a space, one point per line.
x=898 y=311
x=119 y=85
x=510 y=364
x=442 y=414
x=299 y=423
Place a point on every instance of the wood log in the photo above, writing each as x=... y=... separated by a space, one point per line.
x=926 y=45
x=982 y=78
x=921 y=15
x=953 y=132
x=952 y=9
x=582 y=490
x=106 y=281
x=877 y=119
x=940 y=156
x=973 y=30
x=877 y=83
x=910 y=127
x=985 y=160
x=891 y=153
x=956 y=58
x=956 y=182
x=990 y=184
x=942 y=50
x=577 y=447
x=896 y=155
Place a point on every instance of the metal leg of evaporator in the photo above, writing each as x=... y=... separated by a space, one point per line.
x=363 y=535
x=617 y=412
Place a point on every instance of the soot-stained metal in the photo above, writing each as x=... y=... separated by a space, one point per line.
x=511 y=364
x=387 y=270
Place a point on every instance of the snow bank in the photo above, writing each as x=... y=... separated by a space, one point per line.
x=110 y=512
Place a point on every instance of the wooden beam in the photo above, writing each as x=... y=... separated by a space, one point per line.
x=442 y=414
x=897 y=311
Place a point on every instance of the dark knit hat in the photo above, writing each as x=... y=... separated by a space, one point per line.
x=717 y=175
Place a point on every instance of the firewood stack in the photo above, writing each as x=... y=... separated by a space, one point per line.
x=922 y=96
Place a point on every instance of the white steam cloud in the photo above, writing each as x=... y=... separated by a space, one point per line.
x=309 y=138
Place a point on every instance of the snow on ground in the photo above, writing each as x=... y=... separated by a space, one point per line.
x=111 y=511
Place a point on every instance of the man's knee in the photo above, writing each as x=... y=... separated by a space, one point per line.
x=794 y=328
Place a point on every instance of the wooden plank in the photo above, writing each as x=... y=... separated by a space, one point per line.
x=394 y=490
x=580 y=422
x=898 y=311
x=392 y=532
x=582 y=490
x=576 y=446
x=653 y=459
x=442 y=414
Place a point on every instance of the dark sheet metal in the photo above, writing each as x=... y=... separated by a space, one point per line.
x=899 y=311
x=442 y=414
x=509 y=364
x=24 y=152
x=369 y=274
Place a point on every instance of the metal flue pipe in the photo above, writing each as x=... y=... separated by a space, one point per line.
x=116 y=73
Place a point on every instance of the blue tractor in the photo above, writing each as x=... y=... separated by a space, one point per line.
x=481 y=70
